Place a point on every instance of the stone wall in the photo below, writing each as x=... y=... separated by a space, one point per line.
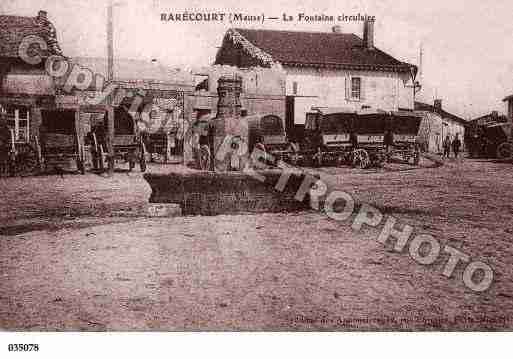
x=209 y=193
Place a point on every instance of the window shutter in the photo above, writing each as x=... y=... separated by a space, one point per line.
x=362 y=88
x=348 y=87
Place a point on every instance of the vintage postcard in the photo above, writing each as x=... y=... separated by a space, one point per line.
x=192 y=166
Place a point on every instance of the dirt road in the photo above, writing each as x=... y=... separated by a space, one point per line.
x=76 y=255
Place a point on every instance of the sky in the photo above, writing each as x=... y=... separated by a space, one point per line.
x=467 y=45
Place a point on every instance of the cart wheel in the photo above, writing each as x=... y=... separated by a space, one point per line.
x=80 y=159
x=379 y=163
x=96 y=162
x=80 y=166
x=25 y=160
x=416 y=159
x=204 y=158
x=340 y=161
x=505 y=151
x=142 y=164
x=361 y=158
x=142 y=159
x=310 y=160
x=101 y=157
x=96 y=153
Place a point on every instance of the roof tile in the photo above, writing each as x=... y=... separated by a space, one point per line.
x=13 y=29
x=321 y=49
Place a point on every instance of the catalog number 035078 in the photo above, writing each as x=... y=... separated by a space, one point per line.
x=23 y=347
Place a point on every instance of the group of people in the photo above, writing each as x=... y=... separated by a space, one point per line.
x=455 y=145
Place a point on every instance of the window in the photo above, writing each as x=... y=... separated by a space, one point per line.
x=294 y=88
x=356 y=88
x=18 y=121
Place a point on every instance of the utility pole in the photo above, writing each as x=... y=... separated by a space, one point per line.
x=417 y=85
x=110 y=43
x=420 y=62
x=110 y=78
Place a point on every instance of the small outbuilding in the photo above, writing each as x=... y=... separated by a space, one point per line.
x=436 y=125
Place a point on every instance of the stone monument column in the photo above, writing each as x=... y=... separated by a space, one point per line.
x=230 y=130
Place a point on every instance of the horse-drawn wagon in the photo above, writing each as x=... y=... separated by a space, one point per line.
x=127 y=143
x=267 y=134
x=384 y=136
x=60 y=141
x=264 y=132
x=19 y=153
x=328 y=139
x=16 y=158
x=362 y=139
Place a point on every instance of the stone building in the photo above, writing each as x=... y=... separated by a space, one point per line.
x=324 y=69
x=508 y=100
x=437 y=124
x=509 y=111
x=26 y=89
x=44 y=92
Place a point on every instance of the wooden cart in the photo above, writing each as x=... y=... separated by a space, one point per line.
x=60 y=141
x=16 y=158
x=361 y=139
x=128 y=145
x=267 y=133
x=381 y=137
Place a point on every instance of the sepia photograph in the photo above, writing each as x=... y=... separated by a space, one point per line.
x=275 y=166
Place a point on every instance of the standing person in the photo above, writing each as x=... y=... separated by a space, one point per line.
x=447 y=146
x=388 y=140
x=456 y=145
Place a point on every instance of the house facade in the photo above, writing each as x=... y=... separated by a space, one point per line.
x=26 y=88
x=263 y=90
x=509 y=110
x=437 y=124
x=324 y=69
x=509 y=106
x=53 y=95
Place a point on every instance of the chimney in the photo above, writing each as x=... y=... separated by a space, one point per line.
x=337 y=29
x=438 y=105
x=368 y=34
x=42 y=15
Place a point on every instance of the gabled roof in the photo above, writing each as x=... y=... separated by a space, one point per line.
x=420 y=106
x=13 y=29
x=314 y=49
